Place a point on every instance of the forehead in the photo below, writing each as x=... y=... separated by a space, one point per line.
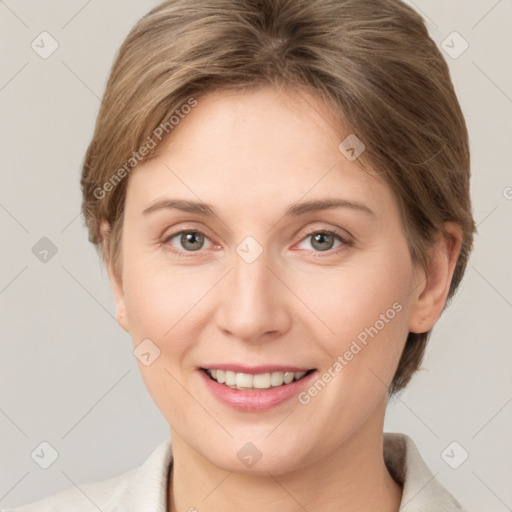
x=256 y=150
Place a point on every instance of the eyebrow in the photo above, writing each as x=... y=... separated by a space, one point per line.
x=296 y=210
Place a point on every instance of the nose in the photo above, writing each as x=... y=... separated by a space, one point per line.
x=254 y=305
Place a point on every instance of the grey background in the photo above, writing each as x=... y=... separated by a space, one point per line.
x=68 y=375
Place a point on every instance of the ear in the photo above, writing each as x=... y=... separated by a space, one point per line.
x=434 y=282
x=114 y=277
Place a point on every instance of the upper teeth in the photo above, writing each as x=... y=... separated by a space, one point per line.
x=250 y=381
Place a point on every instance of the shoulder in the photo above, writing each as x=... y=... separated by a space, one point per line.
x=87 y=497
x=421 y=490
x=140 y=488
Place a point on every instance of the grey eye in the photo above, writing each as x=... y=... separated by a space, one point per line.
x=322 y=241
x=190 y=241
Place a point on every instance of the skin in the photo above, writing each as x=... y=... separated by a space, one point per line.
x=252 y=154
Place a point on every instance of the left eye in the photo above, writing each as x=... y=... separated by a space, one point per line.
x=323 y=240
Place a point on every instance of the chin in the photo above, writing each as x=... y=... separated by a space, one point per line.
x=259 y=457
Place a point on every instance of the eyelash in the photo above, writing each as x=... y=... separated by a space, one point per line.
x=345 y=243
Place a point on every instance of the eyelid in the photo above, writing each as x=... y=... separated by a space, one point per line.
x=342 y=234
x=172 y=232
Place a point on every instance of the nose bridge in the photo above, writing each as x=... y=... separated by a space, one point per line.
x=252 y=304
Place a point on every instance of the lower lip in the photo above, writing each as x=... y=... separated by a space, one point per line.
x=257 y=400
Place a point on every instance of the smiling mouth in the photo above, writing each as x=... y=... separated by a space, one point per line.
x=248 y=381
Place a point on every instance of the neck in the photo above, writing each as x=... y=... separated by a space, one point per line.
x=354 y=477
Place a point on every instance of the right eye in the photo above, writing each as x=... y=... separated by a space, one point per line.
x=190 y=241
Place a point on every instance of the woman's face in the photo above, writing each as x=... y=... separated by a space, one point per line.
x=271 y=284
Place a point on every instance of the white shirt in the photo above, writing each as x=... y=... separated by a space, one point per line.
x=144 y=488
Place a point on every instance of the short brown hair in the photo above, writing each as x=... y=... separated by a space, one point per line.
x=371 y=60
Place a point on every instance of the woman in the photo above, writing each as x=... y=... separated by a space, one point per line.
x=235 y=139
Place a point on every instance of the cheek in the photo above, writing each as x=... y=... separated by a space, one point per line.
x=352 y=299
x=365 y=308
x=157 y=301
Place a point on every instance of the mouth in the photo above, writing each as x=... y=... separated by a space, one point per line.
x=254 y=381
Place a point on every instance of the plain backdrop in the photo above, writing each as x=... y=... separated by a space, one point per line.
x=68 y=374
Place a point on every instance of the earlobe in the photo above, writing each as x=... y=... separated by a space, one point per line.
x=117 y=287
x=434 y=282
x=114 y=277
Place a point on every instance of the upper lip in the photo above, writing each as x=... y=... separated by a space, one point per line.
x=240 y=368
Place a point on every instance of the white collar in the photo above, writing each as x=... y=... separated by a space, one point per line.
x=421 y=490
x=144 y=488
